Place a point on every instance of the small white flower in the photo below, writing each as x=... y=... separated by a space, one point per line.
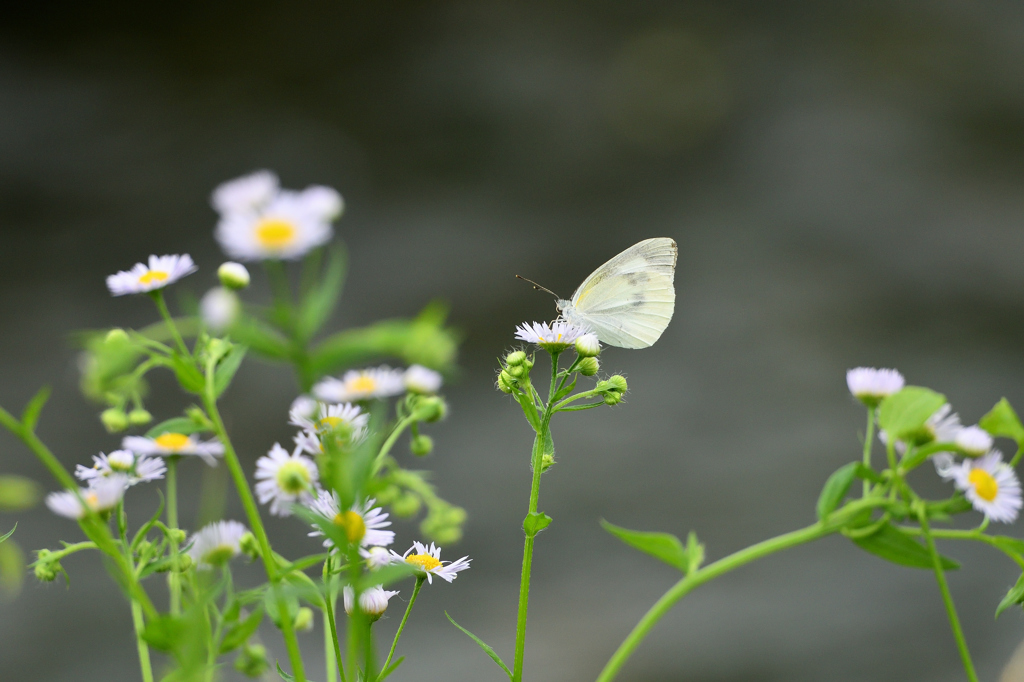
x=216 y=544
x=219 y=308
x=419 y=379
x=137 y=468
x=302 y=407
x=588 y=345
x=944 y=425
x=103 y=495
x=287 y=226
x=361 y=384
x=233 y=275
x=162 y=270
x=323 y=418
x=362 y=523
x=991 y=486
x=283 y=479
x=554 y=336
x=871 y=386
x=175 y=444
x=428 y=560
x=248 y=193
x=373 y=602
x=974 y=440
x=376 y=557
x=945 y=465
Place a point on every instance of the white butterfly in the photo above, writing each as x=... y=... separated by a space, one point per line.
x=629 y=300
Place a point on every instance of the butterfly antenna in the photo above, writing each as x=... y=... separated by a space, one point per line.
x=537 y=286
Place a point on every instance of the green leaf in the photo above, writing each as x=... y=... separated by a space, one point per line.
x=867 y=473
x=261 y=338
x=236 y=636
x=525 y=401
x=319 y=303
x=18 y=493
x=283 y=674
x=391 y=668
x=8 y=533
x=163 y=632
x=190 y=378
x=227 y=367
x=906 y=411
x=664 y=546
x=694 y=552
x=12 y=565
x=487 y=650
x=835 y=489
x=535 y=522
x=30 y=417
x=182 y=425
x=899 y=548
x=1002 y=420
x=1014 y=596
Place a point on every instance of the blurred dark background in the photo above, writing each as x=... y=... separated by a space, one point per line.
x=843 y=180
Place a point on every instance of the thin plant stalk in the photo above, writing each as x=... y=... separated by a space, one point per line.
x=173 y=576
x=868 y=435
x=161 y=304
x=139 y=625
x=405 y=617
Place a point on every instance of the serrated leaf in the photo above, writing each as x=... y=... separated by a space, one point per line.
x=227 y=368
x=30 y=416
x=535 y=522
x=899 y=548
x=236 y=636
x=663 y=546
x=1002 y=420
x=1014 y=596
x=182 y=425
x=906 y=411
x=487 y=649
x=835 y=489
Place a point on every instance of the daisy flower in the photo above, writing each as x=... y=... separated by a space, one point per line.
x=419 y=379
x=376 y=557
x=322 y=418
x=284 y=479
x=871 y=386
x=361 y=384
x=302 y=407
x=428 y=560
x=162 y=270
x=362 y=523
x=373 y=602
x=991 y=486
x=216 y=544
x=102 y=496
x=588 y=345
x=945 y=465
x=137 y=468
x=942 y=427
x=259 y=221
x=973 y=440
x=175 y=444
x=219 y=308
x=554 y=336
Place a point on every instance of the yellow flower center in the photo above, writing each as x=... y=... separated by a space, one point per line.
x=274 y=233
x=92 y=499
x=172 y=441
x=424 y=561
x=293 y=477
x=153 y=276
x=984 y=485
x=363 y=384
x=330 y=422
x=355 y=527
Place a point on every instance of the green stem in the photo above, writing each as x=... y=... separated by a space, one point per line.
x=173 y=576
x=143 y=648
x=401 y=626
x=255 y=522
x=385 y=448
x=720 y=567
x=332 y=650
x=868 y=435
x=947 y=598
x=975 y=535
x=161 y=304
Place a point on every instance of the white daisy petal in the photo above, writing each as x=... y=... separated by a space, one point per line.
x=991 y=486
x=216 y=544
x=554 y=336
x=287 y=226
x=102 y=496
x=974 y=440
x=284 y=479
x=363 y=523
x=361 y=384
x=219 y=308
x=175 y=444
x=373 y=602
x=246 y=194
x=419 y=379
x=137 y=468
x=161 y=271
x=428 y=560
x=871 y=385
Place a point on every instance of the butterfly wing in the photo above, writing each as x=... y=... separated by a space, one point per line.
x=629 y=300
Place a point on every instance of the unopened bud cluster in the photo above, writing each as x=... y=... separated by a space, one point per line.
x=612 y=389
x=515 y=372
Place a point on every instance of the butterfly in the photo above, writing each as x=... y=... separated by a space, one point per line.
x=629 y=300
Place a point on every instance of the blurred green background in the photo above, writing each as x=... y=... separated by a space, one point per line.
x=843 y=180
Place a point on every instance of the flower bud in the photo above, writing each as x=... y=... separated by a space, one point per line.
x=248 y=545
x=176 y=535
x=588 y=367
x=456 y=516
x=252 y=660
x=217 y=349
x=407 y=505
x=184 y=562
x=388 y=494
x=233 y=275
x=618 y=383
x=199 y=418
x=46 y=567
x=219 y=308
x=547 y=461
x=304 y=619
x=430 y=409
x=506 y=382
x=587 y=346
x=515 y=358
x=612 y=398
x=116 y=336
x=447 y=535
x=139 y=416
x=421 y=445
x=114 y=419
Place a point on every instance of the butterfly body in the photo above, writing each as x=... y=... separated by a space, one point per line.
x=629 y=300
